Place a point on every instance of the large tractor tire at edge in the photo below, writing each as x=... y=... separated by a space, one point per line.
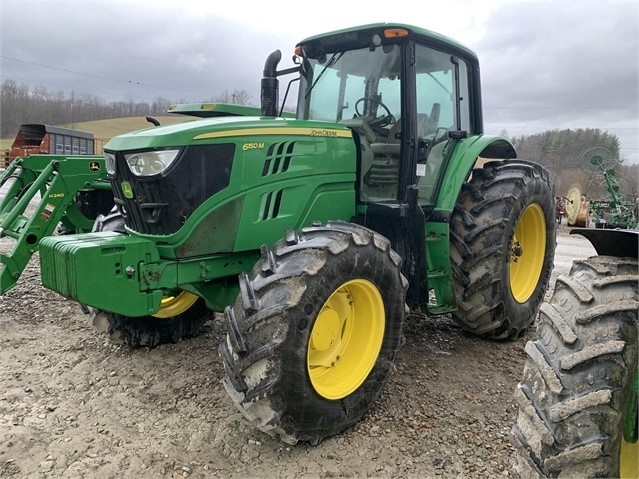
x=577 y=398
x=503 y=238
x=314 y=332
x=181 y=315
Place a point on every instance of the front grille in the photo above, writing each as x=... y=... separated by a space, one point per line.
x=161 y=204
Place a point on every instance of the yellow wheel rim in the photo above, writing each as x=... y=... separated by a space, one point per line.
x=173 y=305
x=346 y=339
x=527 y=252
x=628 y=457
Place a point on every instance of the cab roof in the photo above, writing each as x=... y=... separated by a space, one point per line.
x=358 y=35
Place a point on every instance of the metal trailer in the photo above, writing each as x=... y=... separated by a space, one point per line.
x=36 y=138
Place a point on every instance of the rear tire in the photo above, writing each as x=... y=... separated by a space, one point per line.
x=314 y=332
x=181 y=316
x=577 y=387
x=502 y=247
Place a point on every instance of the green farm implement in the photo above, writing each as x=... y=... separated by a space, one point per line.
x=42 y=194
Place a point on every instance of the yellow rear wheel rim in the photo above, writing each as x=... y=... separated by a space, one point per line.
x=346 y=339
x=527 y=253
x=173 y=305
x=628 y=458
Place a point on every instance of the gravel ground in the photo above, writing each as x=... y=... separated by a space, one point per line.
x=74 y=405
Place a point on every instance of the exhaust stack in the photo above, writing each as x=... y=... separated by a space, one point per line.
x=269 y=93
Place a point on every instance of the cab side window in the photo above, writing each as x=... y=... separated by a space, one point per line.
x=436 y=111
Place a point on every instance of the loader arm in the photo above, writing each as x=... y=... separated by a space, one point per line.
x=38 y=192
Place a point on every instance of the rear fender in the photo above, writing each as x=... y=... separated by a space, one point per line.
x=462 y=161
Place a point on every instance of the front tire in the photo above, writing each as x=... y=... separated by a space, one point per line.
x=314 y=332
x=181 y=315
x=577 y=393
x=503 y=238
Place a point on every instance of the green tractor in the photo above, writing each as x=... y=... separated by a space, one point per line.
x=316 y=233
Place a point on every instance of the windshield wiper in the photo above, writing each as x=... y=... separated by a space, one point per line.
x=332 y=61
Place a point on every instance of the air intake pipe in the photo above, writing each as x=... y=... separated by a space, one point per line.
x=270 y=85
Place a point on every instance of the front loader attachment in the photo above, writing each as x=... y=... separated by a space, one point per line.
x=39 y=192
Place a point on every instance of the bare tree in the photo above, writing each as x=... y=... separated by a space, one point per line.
x=236 y=97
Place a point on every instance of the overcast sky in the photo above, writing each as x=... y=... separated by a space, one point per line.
x=545 y=64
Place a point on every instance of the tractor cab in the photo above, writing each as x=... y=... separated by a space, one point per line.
x=402 y=92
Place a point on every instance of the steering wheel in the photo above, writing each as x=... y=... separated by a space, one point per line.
x=380 y=121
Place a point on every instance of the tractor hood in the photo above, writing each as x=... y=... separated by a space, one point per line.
x=189 y=132
x=213 y=162
x=181 y=134
x=193 y=132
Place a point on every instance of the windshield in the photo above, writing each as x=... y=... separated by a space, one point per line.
x=352 y=84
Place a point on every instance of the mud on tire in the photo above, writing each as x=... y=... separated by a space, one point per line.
x=577 y=380
x=269 y=354
x=505 y=209
x=150 y=331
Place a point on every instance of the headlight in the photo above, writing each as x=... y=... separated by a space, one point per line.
x=149 y=163
x=109 y=160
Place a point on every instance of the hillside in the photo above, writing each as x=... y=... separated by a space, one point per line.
x=105 y=129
